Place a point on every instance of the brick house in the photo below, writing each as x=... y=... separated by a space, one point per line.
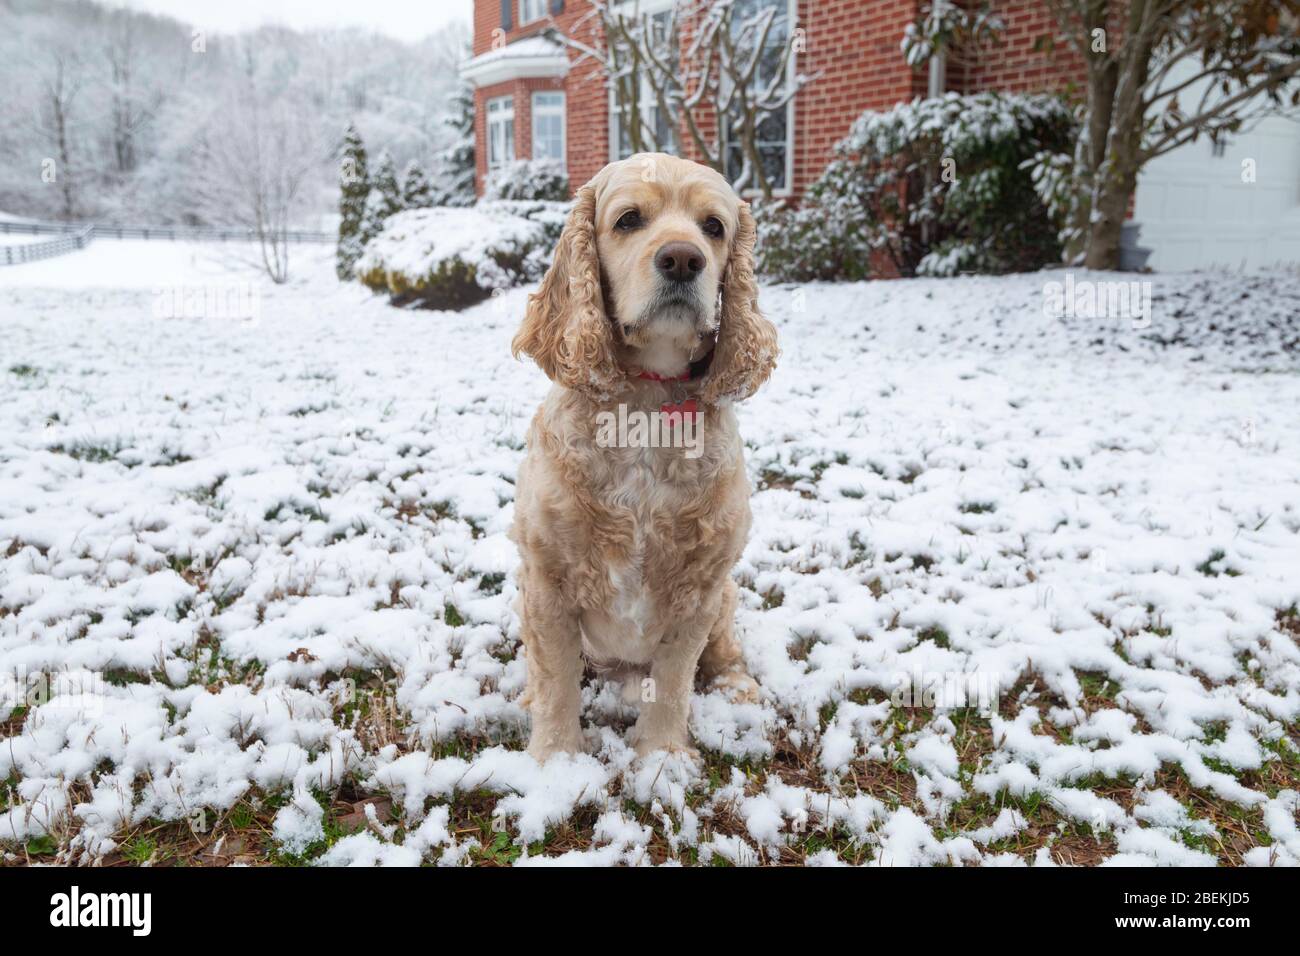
x=537 y=99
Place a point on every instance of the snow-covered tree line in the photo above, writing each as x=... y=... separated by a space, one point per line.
x=112 y=114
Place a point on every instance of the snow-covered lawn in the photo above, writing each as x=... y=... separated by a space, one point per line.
x=263 y=569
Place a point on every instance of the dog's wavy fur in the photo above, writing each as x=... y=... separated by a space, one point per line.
x=627 y=552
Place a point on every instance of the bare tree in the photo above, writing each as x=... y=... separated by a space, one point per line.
x=54 y=121
x=252 y=164
x=130 y=107
x=117 y=100
x=731 y=60
x=1162 y=73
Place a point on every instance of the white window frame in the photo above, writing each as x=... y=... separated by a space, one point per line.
x=553 y=109
x=538 y=7
x=652 y=7
x=500 y=113
x=792 y=14
x=647 y=94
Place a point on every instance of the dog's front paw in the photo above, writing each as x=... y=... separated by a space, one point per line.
x=542 y=752
x=647 y=744
x=542 y=747
x=681 y=751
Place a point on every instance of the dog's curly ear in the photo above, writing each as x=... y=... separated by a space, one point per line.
x=565 y=328
x=746 y=351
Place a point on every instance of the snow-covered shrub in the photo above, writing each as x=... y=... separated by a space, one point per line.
x=795 y=244
x=932 y=187
x=417 y=191
x=548 y=213
x=445 y=258
x=528 y=179
x=384 y=200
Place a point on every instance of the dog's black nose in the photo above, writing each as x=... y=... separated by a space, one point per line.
x=679 y=262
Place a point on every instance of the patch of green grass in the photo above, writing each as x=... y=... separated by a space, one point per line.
x=1220 y=766
x=977 y=507
x=24 y=370
x=1216 y=731
x=91 y=454
x=826 y=713
x=1206 y=567
x=1196 y=840
x=120 y=677
x=310 y=512
x=1209 y=567
x=500 y=850
x=41 y=846
x=1097 y=684
x=451 y=615
x=1099 y=780
x=491 y=582
x=936 y=634
x=859 y=550
x=140 y=850
x=839 y=841
x=240 y=816
x=715 y=761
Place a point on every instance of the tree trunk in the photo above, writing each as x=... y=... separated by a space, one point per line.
x=1111 y=208
x=64 y=170
x=1116 y=176
x=1103 y=77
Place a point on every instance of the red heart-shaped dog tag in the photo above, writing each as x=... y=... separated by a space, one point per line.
x=682 y=410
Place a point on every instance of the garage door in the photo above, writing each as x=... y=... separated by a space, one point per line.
x=1195 y=209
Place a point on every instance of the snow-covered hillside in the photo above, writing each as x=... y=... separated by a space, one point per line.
x=262 y=561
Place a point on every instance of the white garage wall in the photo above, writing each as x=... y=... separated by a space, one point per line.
x=1196 y=212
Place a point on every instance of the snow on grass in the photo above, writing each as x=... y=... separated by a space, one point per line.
x=256 y=594
x=107 y=265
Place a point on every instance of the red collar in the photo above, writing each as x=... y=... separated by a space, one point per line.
x=653 y=377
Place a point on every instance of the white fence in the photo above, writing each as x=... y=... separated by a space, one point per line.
x=76 y=235
x=31 y=251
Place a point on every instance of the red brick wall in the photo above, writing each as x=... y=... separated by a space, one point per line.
x=855 y=46
x=1014 y=65
x=587 y=109
x=586 y=99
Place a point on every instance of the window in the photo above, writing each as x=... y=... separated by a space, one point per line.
x=500 y=131
x=548 y=126
x=657 y=133
x=530 y=10
x=773 y=140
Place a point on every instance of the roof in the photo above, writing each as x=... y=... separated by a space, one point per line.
x=533 y=56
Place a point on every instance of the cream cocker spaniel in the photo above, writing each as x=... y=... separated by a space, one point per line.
x=649 y=312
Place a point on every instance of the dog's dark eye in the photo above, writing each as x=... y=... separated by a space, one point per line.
x=713 y=227
x=629 y=220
